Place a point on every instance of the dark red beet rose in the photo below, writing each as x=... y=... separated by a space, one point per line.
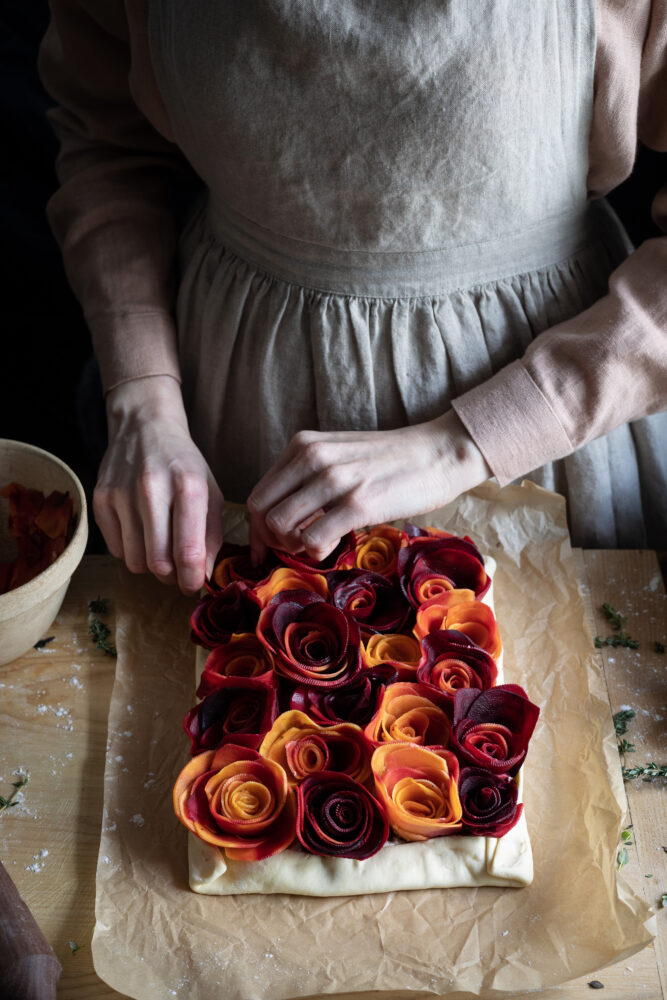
x=356 y=702
x=312 y=642
x=303 y=561
x=233 y=562
x=339 y=818
x=429 y=566
x=377 y=603
x=218 y=616
x=241 y=710
x=450 y=660
x=492 y=728
x=489 y=802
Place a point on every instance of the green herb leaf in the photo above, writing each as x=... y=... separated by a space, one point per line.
x=626 y=747
x=659 y=647
x=11 y=801
x=99 y=606
x=621 y=720
x=625 y=836
x=618 y=621
x=74 y=947
x=598 y=642
x=649 y=772
x=649 y=876
x=663 y=901
x=622 y=858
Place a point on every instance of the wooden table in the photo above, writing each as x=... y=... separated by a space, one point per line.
x=53 y=723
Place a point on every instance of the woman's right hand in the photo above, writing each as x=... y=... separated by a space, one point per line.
x=156 y=501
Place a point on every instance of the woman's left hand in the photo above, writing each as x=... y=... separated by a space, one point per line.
x=325 y=484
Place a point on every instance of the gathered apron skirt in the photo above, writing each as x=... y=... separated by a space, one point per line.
x=336 y=278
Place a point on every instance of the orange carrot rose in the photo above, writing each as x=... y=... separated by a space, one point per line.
x=401 y=651
x=243 y=656
x=411 y=713
x=472 y=618
x=418 y=789
x=237 y=800
x=302 y=747
x=286 y=578
x=377 y=550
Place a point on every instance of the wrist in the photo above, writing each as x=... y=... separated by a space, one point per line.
x=457 y=455
x=151 y=397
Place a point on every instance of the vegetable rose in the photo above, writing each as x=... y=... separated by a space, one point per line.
x=376 y=550
x=302 y=747
x=312 y=642
x=429 y=567
x=355 y=702
x=240 y=710
x=489 y=802
x=450 y=660
x=233 y=562
x=242 y=656
x=377 y=604
x=339 y=818
x=418 y=789
x=452 y=611
x=411 y=713
x=237 y=800
x=218 y=616
x=285 y=578
x=401 y=651
x=303 y=561
x=492 y=728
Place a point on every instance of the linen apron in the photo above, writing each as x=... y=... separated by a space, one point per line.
x=395 y=207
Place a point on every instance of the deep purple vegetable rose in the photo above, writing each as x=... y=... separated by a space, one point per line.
x=489 y=802
x=355 y=702
x=339 y=818
x=241 y=710
x=377 y=603
x=492 y=728
x=218 y=616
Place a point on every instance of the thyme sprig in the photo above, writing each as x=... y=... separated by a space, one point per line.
x=21 y=781
x=647 y=772
x=98 y=629
x=618 y=623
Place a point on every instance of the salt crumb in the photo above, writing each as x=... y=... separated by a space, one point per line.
x=34 y=868
x=505 y=933
x=130 y=708
x=137 y=819
x=106 y=859
x=68 y=756
x=109 y=828
x=119 y=758
x=149 y=783
x=76 y=683
x=42 y=709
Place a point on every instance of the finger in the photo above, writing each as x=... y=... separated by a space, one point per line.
x=154 y=501
x=322 y=536
x=108 y=523
x=188 y=527
x=258 y=547
x=213 y=540
x=305 y=456
x=288 y=518
x=134 y=549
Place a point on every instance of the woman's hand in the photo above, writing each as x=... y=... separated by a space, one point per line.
x=156 y=501
x=326 y=484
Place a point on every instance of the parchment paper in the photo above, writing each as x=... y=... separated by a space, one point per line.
x=155 y=938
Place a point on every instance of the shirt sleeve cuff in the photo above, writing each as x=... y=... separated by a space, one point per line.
x=134 y=345
x=512 y=423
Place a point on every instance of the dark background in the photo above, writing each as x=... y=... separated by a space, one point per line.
x=45 y=342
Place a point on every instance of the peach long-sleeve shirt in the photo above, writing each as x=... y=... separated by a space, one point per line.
x=121 y=172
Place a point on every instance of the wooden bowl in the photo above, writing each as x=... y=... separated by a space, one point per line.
x=28 y=611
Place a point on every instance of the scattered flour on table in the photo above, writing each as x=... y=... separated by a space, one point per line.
x=38 y=861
